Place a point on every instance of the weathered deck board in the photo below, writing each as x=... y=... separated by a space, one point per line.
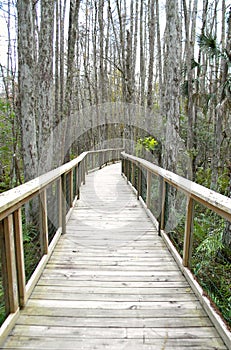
x=111 y=283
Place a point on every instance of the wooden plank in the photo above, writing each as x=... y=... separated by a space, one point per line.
x=158 y=290
x=112 y=297
x=132 y=312
x=128 y=322
x=122 y=305
x=49 y=343
x=166 y=285
x=114 y=333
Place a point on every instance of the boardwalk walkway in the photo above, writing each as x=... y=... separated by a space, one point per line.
x=111 y=283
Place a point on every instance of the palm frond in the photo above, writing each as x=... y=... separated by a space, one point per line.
x=208 y=44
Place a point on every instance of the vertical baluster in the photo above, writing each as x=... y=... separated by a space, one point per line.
x=148 y=196
x=9 y=265
x=139 y=181
x=71 y=188
x=20 y=256
x=77 y=181
x=163 y=205
x=44 y=226
x=128 y=170
x=188 y=233
x=60 y=195
x=64 y=203
x=122 y=166
x=86 y=163
x=133 y=174
x=83 y=171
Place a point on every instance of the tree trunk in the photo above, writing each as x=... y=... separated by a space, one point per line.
x=72 y=38
x=190 y=106
x=142 y=65
x=159 y=54
x=151 y=30
x=171 y=85
x=45 y=86
x=26 y=74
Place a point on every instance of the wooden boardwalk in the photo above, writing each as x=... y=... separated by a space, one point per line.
x=111 y=283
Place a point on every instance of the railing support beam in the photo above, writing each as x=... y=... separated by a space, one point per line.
x=188 y=233
x=9 y=265
x=163 y=204
x=64 y=203
x=43 y=225
x=148 y=196
x=20 y=256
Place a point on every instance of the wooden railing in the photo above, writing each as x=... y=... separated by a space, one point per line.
x=61 y=186
x=136 y=170
x=16 y=287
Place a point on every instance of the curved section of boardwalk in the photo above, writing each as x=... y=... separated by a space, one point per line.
x=111 y=283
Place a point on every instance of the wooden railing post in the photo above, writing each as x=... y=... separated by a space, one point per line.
x=86 y=164
x=20 y=256
x=148 y=196
x=83 y=171
x=139 y=182
x=133 y=174
x=188 y=233
x=71 y=189
x=64 y=188
x=77 y=182
x=60 y=199
x=125 y=167
x=9 y=265
x=122 y=166
x=128 y=170
x=163 y=204
x=43 y=225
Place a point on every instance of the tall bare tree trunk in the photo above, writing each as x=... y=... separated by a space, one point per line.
x=26 y=74
x=72 y=38
x=142 y=65
x=171 y=84
x=159 y=54
x=190 y=78
x=45 y=86
x=151 y=30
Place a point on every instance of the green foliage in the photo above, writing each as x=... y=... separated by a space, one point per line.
x=204 y=176
x=2 y=303
x=209 y=260
x=209 y=45
x=147 y=143
x=30 y=243
x=8 y=142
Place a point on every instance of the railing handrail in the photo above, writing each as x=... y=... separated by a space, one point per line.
x=10 y=198
x=209 y=198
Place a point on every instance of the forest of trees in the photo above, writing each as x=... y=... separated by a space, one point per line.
x=68 y=62
x=89 y=74
x=171 y=58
